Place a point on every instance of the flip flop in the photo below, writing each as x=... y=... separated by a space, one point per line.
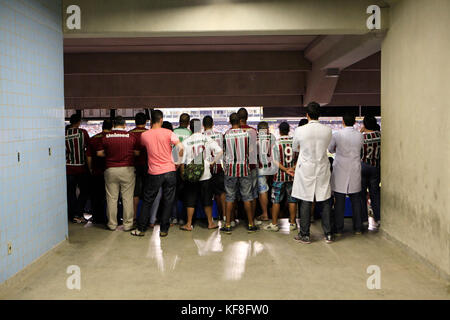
x=184 y=228
x=259 y=218
x=213 y=227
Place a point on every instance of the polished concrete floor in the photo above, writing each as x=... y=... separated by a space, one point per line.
x=205 y=264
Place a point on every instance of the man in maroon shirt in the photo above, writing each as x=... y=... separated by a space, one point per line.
x=140 y=163
x=97 y=168
x=77 y=142
x=119 y=149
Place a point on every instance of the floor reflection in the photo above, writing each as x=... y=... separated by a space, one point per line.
x=154 y=249
x=237 y=255
x=212 y=244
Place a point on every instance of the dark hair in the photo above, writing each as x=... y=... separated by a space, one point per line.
x=302 y=122
x=263 y=125
x=140 y=119
x=75 y=118
x=208 y=121
x=119 y=121
x=313 y=110
x=284 y=128
x=349 y=119
x=157 y=115
x=234 y=119
x=243 y=114
x=184 y=119
x=370 y=123
x=195 y=125
x=167 y=125
x=107 y=124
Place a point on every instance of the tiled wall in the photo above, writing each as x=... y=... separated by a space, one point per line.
x=33 y=209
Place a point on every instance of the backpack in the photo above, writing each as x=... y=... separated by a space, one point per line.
x=194 y=170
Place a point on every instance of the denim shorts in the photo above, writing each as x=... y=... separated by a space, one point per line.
x=254 y=177
x=243 y=185
x=263 y=186
x=281 y=189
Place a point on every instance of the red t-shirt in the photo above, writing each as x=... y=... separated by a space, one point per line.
x=252 y=154
x=141 y=160
x=158 y=143
x=98 y=163
x=119 y=147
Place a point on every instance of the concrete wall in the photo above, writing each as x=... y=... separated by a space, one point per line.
x=33 y=210
x=206 y=17
x=415 y=107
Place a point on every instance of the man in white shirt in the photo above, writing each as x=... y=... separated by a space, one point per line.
x=346 y=176
x=196 y=147
x=312 y=172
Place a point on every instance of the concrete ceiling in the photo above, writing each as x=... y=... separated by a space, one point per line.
x=269 y=71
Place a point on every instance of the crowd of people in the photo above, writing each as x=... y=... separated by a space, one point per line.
x=245 y=168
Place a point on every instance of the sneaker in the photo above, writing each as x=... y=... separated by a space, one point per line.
x=358 y=233
x=329 y=238
x=338 y=234
x=181 y=222
x=173 y=221
x=233 y=224
x=271 y=227
x=226 y=229
x=303 y=239
x=292 y=226
x=258 y=222
x=252 y=229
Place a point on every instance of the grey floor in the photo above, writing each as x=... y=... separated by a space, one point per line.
x=205 y=264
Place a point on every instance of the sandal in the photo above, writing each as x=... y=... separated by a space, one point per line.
x=184 y=228
x=215 y=227
x=137 y=233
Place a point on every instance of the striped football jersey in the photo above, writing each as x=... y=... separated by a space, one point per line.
x=370 y=152
x=236 y=152
x=285 y=155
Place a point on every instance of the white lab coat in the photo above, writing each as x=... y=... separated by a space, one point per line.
x=312 y=173
x=346 y=176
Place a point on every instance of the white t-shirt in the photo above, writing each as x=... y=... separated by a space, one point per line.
x=195 y=145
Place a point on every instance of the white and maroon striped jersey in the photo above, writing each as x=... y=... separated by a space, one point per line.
x=236 y=152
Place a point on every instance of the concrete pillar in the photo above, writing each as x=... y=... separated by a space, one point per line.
x=415 y=107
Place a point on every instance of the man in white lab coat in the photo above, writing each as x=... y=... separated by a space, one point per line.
x=312 y=172
x=346 y=176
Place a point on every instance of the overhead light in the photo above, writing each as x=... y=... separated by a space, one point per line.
x=332 y=73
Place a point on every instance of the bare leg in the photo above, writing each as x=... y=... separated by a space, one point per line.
x=221 y=206
x=208 y=213
x=292 y=212
x=190 y=214
x=229 y=212
x=275 y=212
x=248 y=210
x=263 y=201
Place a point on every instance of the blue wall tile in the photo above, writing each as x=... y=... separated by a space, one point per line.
x=33 y=190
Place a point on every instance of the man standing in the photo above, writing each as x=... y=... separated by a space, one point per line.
x=252 y=156
x=284 y=159
x=140 y=162
x=237 y=172
x=158 y=142
x=119 y=149
x=77 y=143
x=198 y=148
x=97 y=169
x=217 y=180
x=346 y=175
x=312 y=173
x=182 y=132
x=266 y=168
x=370 y=168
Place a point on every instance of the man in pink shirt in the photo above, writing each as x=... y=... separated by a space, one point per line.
x=158 y=142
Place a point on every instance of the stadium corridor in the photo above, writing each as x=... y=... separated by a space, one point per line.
x=191 y=265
